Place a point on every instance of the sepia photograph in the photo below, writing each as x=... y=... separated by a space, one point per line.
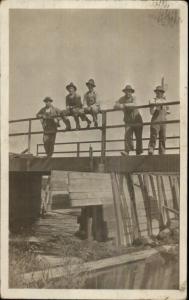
x=94 y=149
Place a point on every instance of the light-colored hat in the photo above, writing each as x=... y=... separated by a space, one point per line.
x=48 y=99
x=128 y=88
x=91 y=82
x=71 y=85
x=159 y=88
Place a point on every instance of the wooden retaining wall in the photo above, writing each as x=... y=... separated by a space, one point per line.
x=134 y=205
x=143 y=204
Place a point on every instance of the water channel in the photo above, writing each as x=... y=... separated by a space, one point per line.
x=156 y=272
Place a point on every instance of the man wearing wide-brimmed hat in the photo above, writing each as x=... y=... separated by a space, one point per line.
x=50 y=117
x=131 y=115
x=90 y=103
x=74 y=106
x=159 y=113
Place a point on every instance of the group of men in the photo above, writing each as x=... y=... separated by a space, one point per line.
x=50 y=117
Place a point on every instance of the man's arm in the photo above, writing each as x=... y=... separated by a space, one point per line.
x=85 y=101
x=40 y=114
x=132 y=103
x=79 y=103
x=97 y=100
x=152 y=107
x=67 y=103
x=118 y=104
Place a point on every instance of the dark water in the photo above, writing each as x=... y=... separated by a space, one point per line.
x=157 y=272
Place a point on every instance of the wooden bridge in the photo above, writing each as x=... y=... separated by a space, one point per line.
x=141 y=186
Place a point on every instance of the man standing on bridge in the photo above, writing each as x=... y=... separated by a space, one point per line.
x=50 y=117
x=131 y=115
x=159 y=113
x=74 y=106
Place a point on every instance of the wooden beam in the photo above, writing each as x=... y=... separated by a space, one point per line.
x=57 y=272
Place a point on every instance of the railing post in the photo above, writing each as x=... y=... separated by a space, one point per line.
x=78 y=149
x=91 y=158
x=103 y=140
x=29 y=136
x=37 y=149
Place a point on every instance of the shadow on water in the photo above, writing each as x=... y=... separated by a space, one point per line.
x=156 y=272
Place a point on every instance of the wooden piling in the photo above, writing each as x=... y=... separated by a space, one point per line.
x=165 y=199
x=133 y=205
x=161 y=202
x=146 y=204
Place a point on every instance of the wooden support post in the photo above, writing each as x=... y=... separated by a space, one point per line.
x=174 y=194
x=91 y=158
x=161 y=202
x=145 y=199
x=29 y=137
x=133 y=203
x=78 y=149
x=165 y=198
x=124 y=210
x=119 y=239
x=156 y=199
x=37 y=149
x=89 y=229
x=103 y=141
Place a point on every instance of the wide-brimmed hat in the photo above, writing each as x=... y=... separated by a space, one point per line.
x=159 y=88
x=47 y=99
x=71 y=85
x=91 y=82
x=128 y=88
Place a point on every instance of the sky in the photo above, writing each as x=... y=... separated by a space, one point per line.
x=50 y=48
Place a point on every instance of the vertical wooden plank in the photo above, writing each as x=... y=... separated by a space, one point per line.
x=117 y=209
x=91 y=158
x=133 y=203
x=89 y=229
x=178 y=181
x=124 y=210
x=156 y=198
x=29 y=136
x=177 y=192
x=78 y=149
x=145 y=203
x=161 y=202
x=165 y=198
x=128 y=213
x=147 y=199
x=103 y=140
x=174 y=195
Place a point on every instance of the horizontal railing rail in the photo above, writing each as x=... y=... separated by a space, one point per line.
x=106 y=110
x=104 y=127
x=99 y=127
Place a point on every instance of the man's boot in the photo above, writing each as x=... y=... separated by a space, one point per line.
x=68 y=125
x=150 y=151
x=88 y=123
x=77 y=123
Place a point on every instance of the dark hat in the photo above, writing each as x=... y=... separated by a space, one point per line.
x=159 y=88
x=128 y=88
x=48 y=99
x=91 y=82
x=71 y=85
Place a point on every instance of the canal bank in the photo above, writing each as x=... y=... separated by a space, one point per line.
x=51 y=251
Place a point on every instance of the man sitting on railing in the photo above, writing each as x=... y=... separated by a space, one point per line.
x=74 y=106
x=90 y=104
x=158 y=115
x=50 y=124
x=131 y=115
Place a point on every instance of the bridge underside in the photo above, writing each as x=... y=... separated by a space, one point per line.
x=26 y=173
x=130 y=164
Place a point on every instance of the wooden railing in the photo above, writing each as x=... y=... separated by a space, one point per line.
x=103 y=128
